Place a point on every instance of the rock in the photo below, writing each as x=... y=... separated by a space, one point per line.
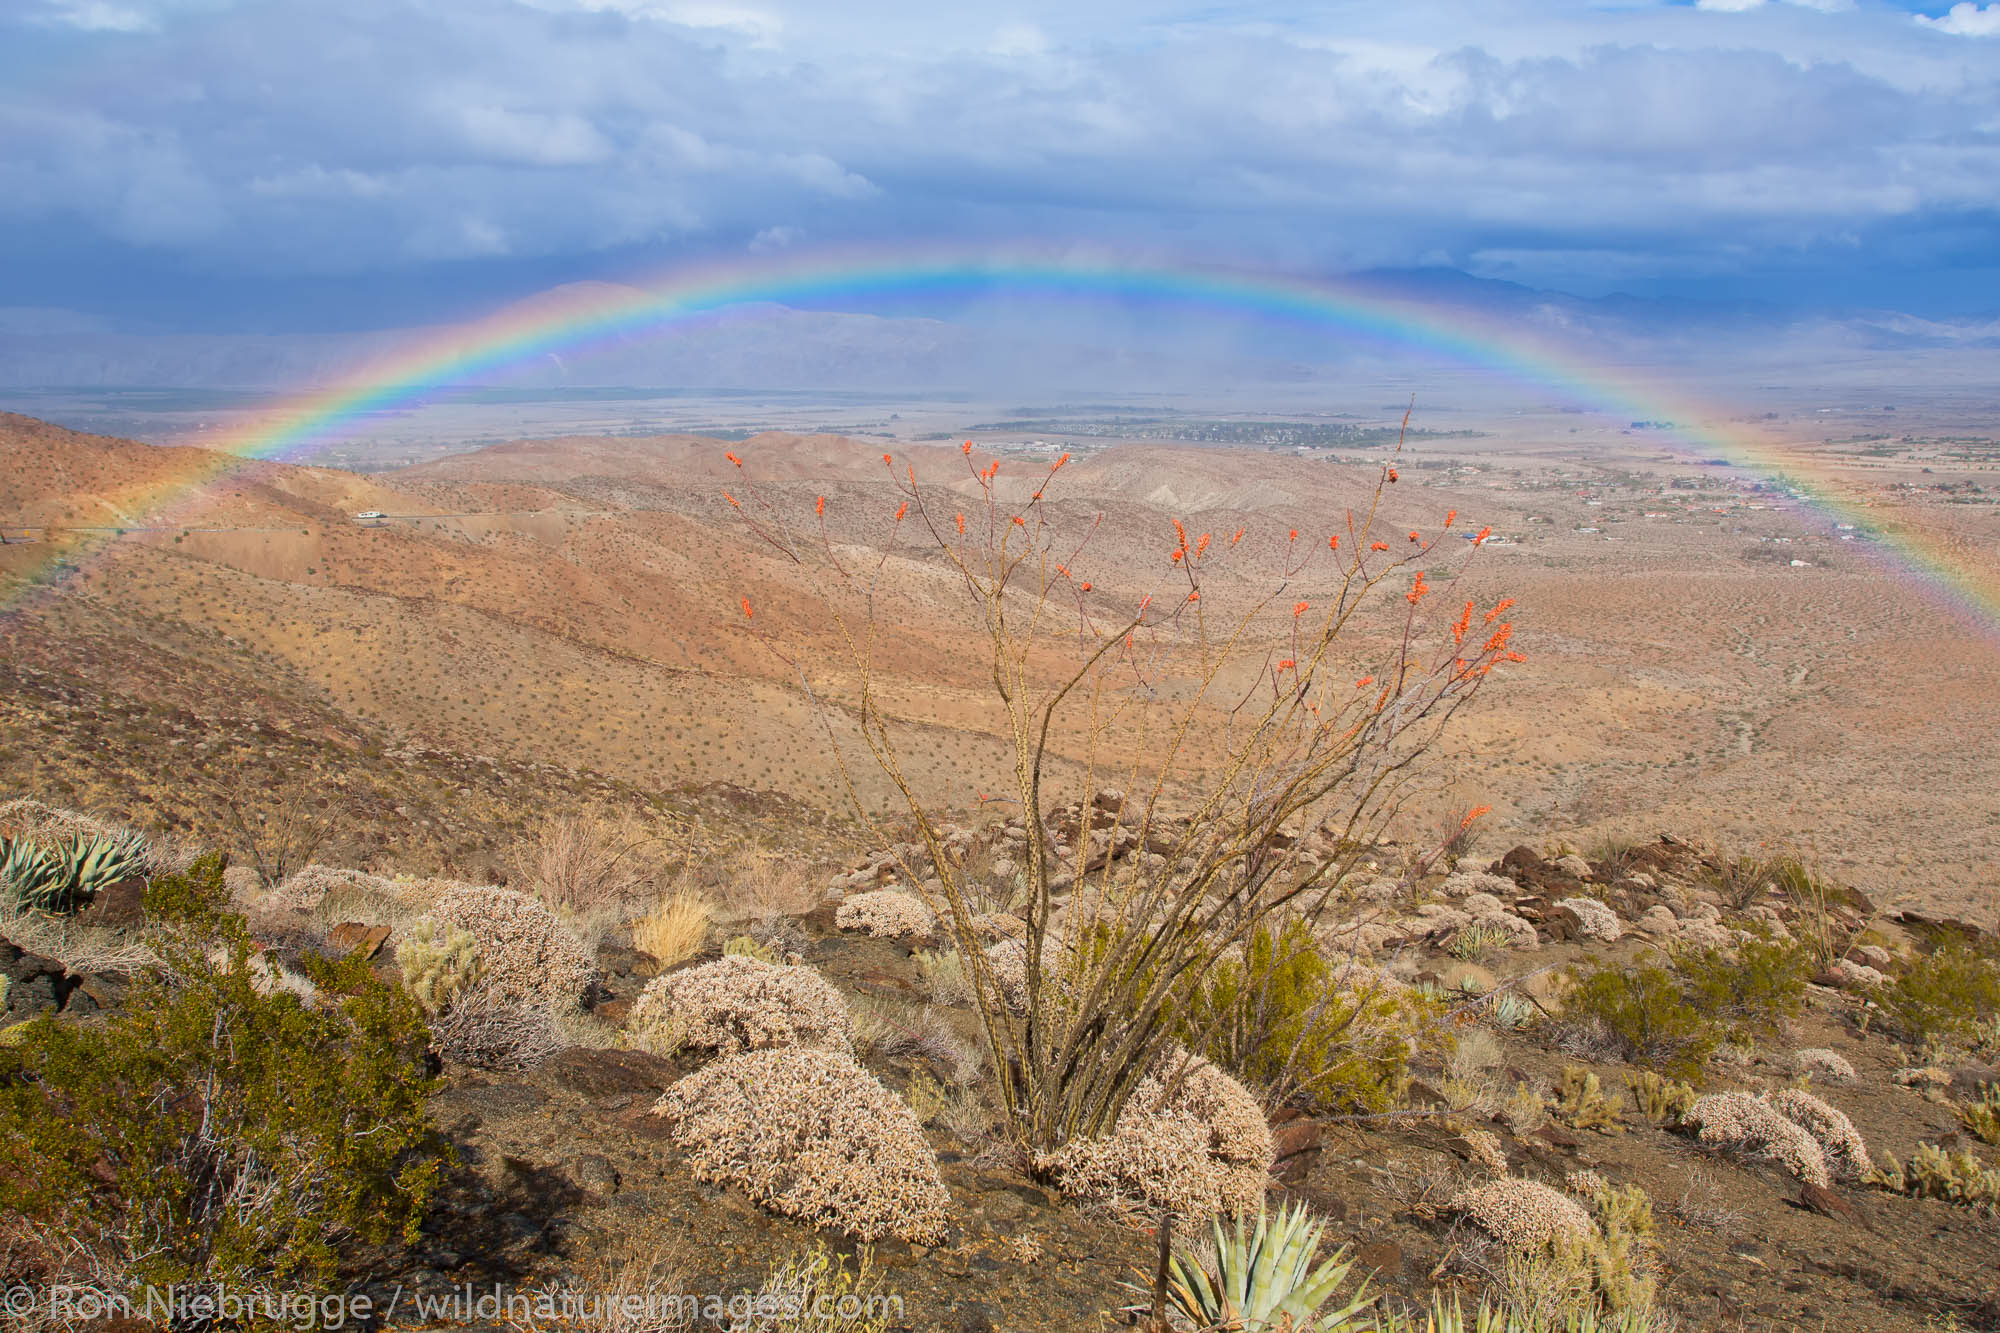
x=35 y=984
x=1108 y=799
x=1874 y=955
x=120 y=904
x=1383 y=1256
x=1466 y=978
x=1521 y=859
x=614 y=1010
x=594 y=1175
x=1658 y=920
x=1297 y=1144
x=1929 y=1077
x=355 y=937
x=1828 y=1204
x=618 y=960
x=1004 y=868
x=1573 y=865
x=605 y=1073
x=1561 y=925
x=1846 y=975
x=241 y=882
x=1968 y=1080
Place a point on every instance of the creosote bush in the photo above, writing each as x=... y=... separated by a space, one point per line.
x=1643 y=1010
x=1943 y=995
x=1294 y=1024
x=211 y=1130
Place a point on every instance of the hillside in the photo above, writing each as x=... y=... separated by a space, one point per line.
x=577 y=602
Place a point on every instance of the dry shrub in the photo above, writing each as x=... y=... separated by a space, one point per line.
x=739 y=1003
x=1742 y=1123
x=309 y=888
x=674 y=930
x=484 y=1027
x=809 y=1133
x=1846 y=1152
x=1192 y=1141
x=888 y=914
x=1825 y=1064
x=525 y=952
x=1522 y=1214
x=581 y=862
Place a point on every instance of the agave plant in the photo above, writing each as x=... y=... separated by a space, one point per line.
x=1491 y=1318
x=1264 y=1280
x=65 y=873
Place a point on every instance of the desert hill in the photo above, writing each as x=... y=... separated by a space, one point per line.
x=577 y=601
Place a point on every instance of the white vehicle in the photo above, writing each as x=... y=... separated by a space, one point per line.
x=368 y=514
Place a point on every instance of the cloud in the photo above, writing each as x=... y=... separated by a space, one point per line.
x=1967 y=20
x=378 y=136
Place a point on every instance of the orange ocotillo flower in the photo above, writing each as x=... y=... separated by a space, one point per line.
x=1180 y=533
x=1450 y=516
x=732 y=499
x=901 y=510
x=1060 y=461
x=819 y=506
x=1238 y=537
x=1201 y=544
x=1484 y=533
x=1020 y=522
x=1085 y=585
x=1464 y=619
x=1364 y=682
x=1286 y=664
x=1500 y=637
x=1295 y=534
x=747 y=612
x=734 y=459
x=1392 y=474
x=1415 y=538
x=1378 y=546
x=1417 y=589
x=886 y=459
x=1175 y=558
x=1194 y=594
x=968 y=447
x=1498 y=607
x=961 y=524
x=1476 y=812
x=1300 y=608
x=1333 y=542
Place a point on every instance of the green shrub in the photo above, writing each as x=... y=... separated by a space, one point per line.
x=1943 y=995
x=1280 y=1018
x=1749 y=988
x=208 y=1132
x=1646 y=1012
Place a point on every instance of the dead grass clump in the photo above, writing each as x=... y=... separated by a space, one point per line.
x=674 y=930
x=1742 y=1123
x=525 y=952
x=887 y=914
x=809 y=1133
x=740 y=1003
x=1192 y=1141
x=579 y=862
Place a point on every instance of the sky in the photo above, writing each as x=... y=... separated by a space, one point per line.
x=337 y=164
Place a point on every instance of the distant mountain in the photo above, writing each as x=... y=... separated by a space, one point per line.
x=765 y=345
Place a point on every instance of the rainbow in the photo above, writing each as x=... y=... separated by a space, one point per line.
x=566 y=321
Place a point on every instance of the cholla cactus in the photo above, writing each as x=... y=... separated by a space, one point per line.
x=1580 y=1103
x=438 y=962
x=1264 y=1278
x=1936 y=1174
x=1664 y=1099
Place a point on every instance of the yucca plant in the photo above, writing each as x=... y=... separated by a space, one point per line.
x=1264 y=1280
x=62 y=875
